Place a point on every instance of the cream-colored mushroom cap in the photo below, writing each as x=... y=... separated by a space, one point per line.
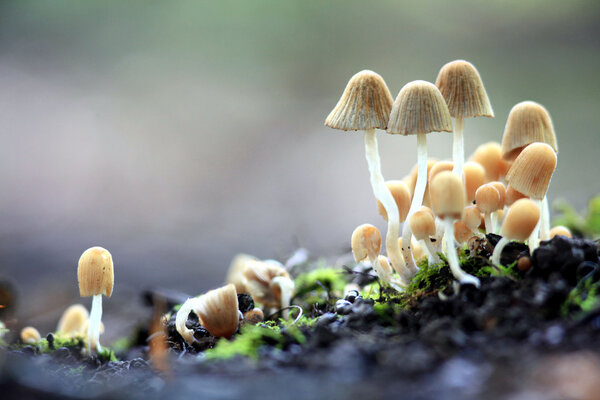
x=489 y=156
x=439 y=167
x=30 y=335
x=419 y=108
x=521 y=219
x=560 y=230
x=532 y=170
x=72 y=320
x=447 y=195
x=260 y=279
x=474 y=178
x=512 y=195
x=366 y=242
x=401 y=195
x=365 y=104
x=95 y=272
x=528 y=122
x=487 y=198
x=236 y=270
x=462 y=232
x=472 y=217
x=462 y=88
x=422 y=224
x=218 y=311
x=499 y=186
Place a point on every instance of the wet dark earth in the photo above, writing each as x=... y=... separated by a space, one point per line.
x=529 y=333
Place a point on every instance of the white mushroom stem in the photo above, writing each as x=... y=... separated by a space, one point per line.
x=385 y=275
x=458 y=273
x=181 y=319
x=545 y=220
x=417 y=199
x=433 y=257
x=534 y=238
x=495 y=223
x=498 y=251
x=286 y=287
x=458 y=147
x=489 y=226
x=383 y=194
x=93 y=333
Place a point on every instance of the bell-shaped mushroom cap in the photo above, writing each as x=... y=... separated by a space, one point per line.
x=419 y=108
x=560 y=230
x=72 y=320
x=218 y=311
x=487 y=198
x=365 y=104
x=401 y=195
x=512 y=195
x=447 y=195
x=472 y=217
x=528 y=122
x=439 y=167
x=520 y=220
x=532 y=170
x=30 y=335
x=422 y=224
x=489 y=156
x=366 y=242
x=95 y=272
x=460 y=84
x=499 y=186
x=474 y=178
x=462 y=232
x=236 y=270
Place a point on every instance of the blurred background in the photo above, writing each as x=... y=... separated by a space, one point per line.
x=177 y=134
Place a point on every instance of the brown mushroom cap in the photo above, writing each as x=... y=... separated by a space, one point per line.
x=560 y=230
x=521 y=219
x=95 y=272
x=401 y=195
x=528 y=122
x=462 y=88
x=499 y=186
x=487 y=198
x=512 y=195
x=366 y=242
x=462 y=232
x=419 y=108
x=365 y=104
x=532 y=170
x=72 y=320
x=422 y=224
x=472 y=217
x=474 y=178
x=489 y=156
x=218 y=311
x=447 y=195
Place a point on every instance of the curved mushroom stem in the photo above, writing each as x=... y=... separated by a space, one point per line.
x=93 y=333
x=458 y=273
x=545 y=220
x=434 y=258
x=417 y=199
x=534 y=238
x=458 y=148
x=383 y=194
x=498 y=251
x=489 y=226
x=286 y=287
x=182 y=317
x=385 y=275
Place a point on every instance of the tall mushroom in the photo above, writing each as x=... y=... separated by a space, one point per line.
x=418 y=110
x=96 y=277
x=365 y=106
x=448 y=199
x=463 y=90
x=530 y=174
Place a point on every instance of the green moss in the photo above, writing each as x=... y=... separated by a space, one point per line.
x=44 y=347
x=499 y=270
x=583 y=298
x=246 y=344
x=122 y=344
x=587 y=224
x=107 y=355
x=330 y=278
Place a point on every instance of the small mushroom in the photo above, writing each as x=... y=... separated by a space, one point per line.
x=30 y=335
x=560 y=230
x=519 y=223
x=488 y=201
x=474 y=177
x=422 y=225
x=72 y=321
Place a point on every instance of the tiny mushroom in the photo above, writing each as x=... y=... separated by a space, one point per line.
x=30 y=335
x=95 y=274
x=519 y=223
x=489 y=156
x=448 y=199
x=269 y=283
x=422 y=225
x=560 y=230
x=474 y=177
x=72 y=321
x=488 y=201
x=401 y=194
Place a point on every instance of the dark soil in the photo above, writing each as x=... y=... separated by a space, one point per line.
x=521 y=335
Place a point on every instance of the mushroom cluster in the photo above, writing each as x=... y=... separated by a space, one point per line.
x=500 y=189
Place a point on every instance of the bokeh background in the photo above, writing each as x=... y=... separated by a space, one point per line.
x=177 y=134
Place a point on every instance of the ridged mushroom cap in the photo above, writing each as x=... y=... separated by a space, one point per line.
x=419 y=108
x=528 y=122
x=532 y=170
x=462 y=88
x=218 y=311
x=365 y=104
x=401 y=195
x=521 y=219
x=366 y=242
x=512 y=195
x=501 y=191
x=95 y=272
x=447 y=195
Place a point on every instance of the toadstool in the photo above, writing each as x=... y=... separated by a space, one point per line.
x=519 y=223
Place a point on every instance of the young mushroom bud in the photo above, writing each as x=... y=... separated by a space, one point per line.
x=72 y=321
x=489 y=156
x=519 y=223
x=462 y=233
x=30 y=335
x=560 y=231
x=474 y=178
x=96 y=278
x=422 y=225
x=217 y=312
x=472 y=217
x=401 y=194
x=448 y=199
x=487 y=199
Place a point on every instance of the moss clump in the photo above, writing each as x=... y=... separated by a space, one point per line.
x=587 y=225
x=583 y=298
x=319 y=288
x=510 y=271
x=107 y=355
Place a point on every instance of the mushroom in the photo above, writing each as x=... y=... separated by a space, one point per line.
x=560 y=230
x=217 y=312
x=365 y=105
x=418 y=110
x=401 y=194
x=512 y=195
x=519 y=223
x=488 y=201
x=96 y=278
x=268 y=283
x=474 y=177
x=366 y=244
x=30 y=335
x=72 y=321
x=448 y=199
x=489 y=156
x=530 y=174
x=422 y=225
x=496 y=215
x=462 y=88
